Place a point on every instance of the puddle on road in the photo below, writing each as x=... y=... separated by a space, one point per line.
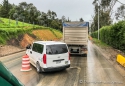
x=35 y=79
x=67 y=77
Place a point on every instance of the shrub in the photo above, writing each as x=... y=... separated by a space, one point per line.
x=113 y=35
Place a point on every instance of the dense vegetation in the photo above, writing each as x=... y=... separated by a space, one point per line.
x=107 y=13
x=105 y=8
x=16 y=20
x=27 y=12
x=113 y=35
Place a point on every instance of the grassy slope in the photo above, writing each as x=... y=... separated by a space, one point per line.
x=99 y=43
x=5 y=23
x=8 y=31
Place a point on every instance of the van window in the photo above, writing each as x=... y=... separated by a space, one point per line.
x=56 y=49
x=34 y=47
x=38 y=48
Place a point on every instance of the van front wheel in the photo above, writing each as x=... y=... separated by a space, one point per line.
x=38 y=68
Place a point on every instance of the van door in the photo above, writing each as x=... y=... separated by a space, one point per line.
x=57 y=55
x=37 y=52
x=32 y=53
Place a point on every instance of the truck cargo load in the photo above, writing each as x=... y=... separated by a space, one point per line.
x=75 y=34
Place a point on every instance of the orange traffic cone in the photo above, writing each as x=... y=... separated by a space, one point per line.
x=25 y=63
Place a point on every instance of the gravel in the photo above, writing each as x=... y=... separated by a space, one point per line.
x=9 y=49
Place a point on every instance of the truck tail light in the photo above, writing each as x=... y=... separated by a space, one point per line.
x=44 y=58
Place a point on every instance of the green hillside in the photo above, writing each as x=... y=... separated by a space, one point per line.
x=12 y=23
x=11 y=29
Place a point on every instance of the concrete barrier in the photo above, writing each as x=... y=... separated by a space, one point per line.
x=121 y=60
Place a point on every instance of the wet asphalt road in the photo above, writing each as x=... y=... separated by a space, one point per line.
x=93 y=70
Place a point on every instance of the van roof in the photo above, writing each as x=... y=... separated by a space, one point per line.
x=49 y=42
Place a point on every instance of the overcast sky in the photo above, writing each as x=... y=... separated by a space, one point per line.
x=74 y=9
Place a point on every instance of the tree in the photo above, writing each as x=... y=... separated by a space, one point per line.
x=44 y=17
x=120 y=14
x=0 y=6
x=81 y=20
x=53 y=15
x=56 y=24
x=49 y=13
x=12 y=11
x=68 y=20
x=5 y=8
x=63 y=18
x=28 y=13
x=105 y=11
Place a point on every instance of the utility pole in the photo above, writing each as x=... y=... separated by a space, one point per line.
x=98 y=20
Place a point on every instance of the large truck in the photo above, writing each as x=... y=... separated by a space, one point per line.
x=75 y=35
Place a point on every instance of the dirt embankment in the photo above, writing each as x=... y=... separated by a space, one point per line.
x=18 y=44
x=15 y=45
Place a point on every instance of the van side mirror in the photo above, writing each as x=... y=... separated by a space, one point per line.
x=28 y=46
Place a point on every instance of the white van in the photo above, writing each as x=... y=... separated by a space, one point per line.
x=49 y=55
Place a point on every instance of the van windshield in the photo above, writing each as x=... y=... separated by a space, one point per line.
x=56 y=49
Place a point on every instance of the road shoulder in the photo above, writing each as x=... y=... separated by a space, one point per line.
x=110 y=55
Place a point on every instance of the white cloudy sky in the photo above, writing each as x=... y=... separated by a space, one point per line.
x=74 y=9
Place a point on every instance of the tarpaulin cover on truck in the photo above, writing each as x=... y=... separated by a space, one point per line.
x=76 y=24
x=7 y=78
